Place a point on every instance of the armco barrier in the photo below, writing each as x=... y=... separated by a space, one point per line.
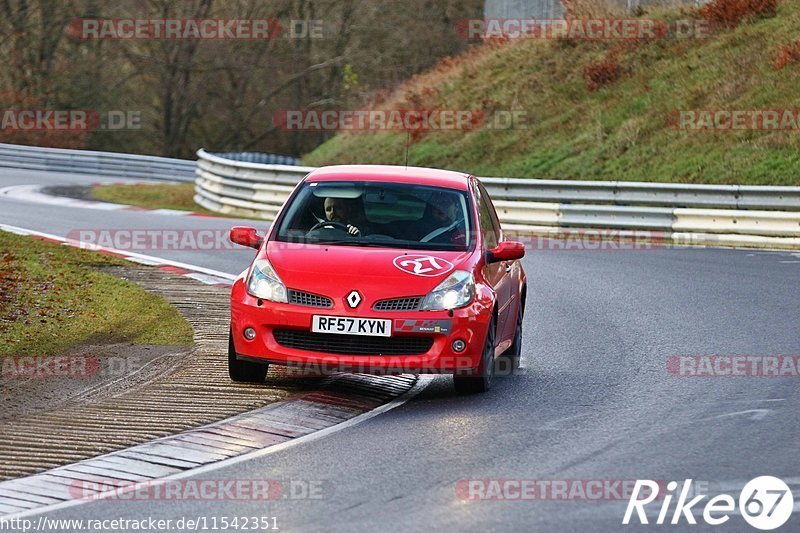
x=618 y=217
x=258 y=157
x=645 y=194
x=730 y=215
x=765 y=223
x=100 y=164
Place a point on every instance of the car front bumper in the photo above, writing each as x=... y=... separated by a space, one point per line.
x=272 y=321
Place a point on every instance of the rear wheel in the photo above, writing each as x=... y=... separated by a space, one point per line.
x=244 y=371
x=479 y=379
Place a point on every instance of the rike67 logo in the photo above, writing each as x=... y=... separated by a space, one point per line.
x=765 y=503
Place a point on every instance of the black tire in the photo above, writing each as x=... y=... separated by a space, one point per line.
x=514 y=352
x=479 y=379
x=244 y=371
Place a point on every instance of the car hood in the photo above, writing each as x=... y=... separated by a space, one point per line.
x=376 y=272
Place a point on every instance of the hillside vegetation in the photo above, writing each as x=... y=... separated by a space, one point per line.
x=606 y=110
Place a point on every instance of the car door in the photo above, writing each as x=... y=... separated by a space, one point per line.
x=496 y=274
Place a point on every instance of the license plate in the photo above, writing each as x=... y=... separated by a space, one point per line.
x=371 y=327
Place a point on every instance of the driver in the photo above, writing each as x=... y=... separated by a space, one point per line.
x=344 y=211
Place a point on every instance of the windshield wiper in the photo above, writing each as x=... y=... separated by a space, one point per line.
x=351 y=243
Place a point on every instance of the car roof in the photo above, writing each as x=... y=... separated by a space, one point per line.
x=392 y=174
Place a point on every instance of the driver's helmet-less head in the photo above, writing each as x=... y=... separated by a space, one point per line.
x=338 y=210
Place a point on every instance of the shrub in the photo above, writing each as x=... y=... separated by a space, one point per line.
x=602 y=72
x=788 y=54
x=729 y=13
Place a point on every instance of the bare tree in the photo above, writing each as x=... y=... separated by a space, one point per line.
x=220 y=94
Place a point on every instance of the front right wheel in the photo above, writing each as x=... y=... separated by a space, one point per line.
x=479 y=379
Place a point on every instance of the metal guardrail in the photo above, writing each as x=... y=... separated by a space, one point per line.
x=252 y=189
x=258 y=157
x=244 y=188
x=99 y=164
x=645 y=194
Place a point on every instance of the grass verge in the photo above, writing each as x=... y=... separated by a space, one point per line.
x=52 y=299
x=157 y=196
x=179 y=196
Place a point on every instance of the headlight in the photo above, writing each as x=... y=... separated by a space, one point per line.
x=454 y=292
x=264 y=283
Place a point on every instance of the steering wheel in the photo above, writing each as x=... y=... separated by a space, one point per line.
x=325 y=223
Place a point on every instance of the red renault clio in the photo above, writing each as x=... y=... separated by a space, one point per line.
x=381 y=269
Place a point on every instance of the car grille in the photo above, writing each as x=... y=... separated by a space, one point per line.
x=352 y=344
x=308 y=299
x=398 y=304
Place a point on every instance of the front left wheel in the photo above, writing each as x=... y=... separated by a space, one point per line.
x=244 y=371
x=514 y=352
x=479 y=379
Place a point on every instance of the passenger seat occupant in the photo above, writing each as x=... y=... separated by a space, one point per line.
x=444 y=212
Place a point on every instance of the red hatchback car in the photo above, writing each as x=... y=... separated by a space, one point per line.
x=381 y=269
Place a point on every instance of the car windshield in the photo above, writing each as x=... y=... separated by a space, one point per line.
x=390 y=215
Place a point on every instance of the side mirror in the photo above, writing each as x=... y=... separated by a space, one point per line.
x=506 y=251
x=246 y=236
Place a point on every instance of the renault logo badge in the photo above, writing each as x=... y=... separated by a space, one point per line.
x=353 y=299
